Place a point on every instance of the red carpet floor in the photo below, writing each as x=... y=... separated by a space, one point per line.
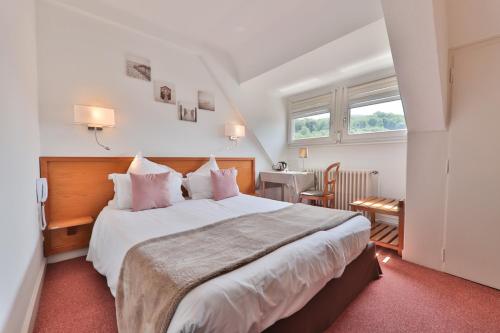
x=408 y=298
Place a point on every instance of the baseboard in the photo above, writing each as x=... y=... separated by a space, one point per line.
x=67 y=255
x=31 y=312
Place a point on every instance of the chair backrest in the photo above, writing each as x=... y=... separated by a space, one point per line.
x=330 y=181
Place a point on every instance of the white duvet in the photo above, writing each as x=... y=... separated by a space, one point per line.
x=248 y=299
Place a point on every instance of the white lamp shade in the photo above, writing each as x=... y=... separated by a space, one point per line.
x=94 y=116
x=234 y=131
x=303 y=152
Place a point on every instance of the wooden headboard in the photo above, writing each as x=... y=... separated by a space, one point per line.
x=79 y=186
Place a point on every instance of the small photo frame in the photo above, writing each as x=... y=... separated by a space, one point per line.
x=206 y=100
x=164 y=92
x=187 y=112
x=138 y=67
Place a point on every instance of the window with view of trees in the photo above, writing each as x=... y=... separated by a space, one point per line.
x=379 y=117
x=309 y=127
x=370 y=112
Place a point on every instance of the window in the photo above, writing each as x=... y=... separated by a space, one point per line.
x=311 y=126
x=310 y=120
x=374 y=112
x=370 y=112
x=379 y=117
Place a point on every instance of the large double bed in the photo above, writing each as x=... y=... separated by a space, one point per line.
x=301 y=286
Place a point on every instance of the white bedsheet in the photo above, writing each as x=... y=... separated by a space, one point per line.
x=248 y=299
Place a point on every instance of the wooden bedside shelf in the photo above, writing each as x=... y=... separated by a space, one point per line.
x=54 y=225
x=67 y=234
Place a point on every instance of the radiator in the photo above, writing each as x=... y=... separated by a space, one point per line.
x=350 y=186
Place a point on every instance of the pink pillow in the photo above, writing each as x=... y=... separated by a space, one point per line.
x=150 y=191
x=224 y=183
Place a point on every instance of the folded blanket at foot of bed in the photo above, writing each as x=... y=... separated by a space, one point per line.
x=158 y=273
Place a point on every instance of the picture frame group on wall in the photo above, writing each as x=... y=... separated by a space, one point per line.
x=139 y=67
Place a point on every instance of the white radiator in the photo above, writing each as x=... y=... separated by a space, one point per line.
x=350 y=186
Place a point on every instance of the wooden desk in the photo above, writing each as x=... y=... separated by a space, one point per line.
x=294 y=181
x=384 y=235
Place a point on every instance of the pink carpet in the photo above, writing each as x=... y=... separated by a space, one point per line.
x=408 y=298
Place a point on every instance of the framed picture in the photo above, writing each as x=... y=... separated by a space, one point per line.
x=206 y=100
x=138 y=67
x=164 y=92
x=187 y=112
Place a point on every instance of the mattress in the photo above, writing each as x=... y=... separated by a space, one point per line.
x=248 y=299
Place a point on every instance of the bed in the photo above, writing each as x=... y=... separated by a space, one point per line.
x=302 y=286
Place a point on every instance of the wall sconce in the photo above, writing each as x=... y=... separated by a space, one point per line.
x=303 y=154
x=234 y=132
x=95 y=118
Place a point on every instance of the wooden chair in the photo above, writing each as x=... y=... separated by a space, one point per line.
x=327 y=196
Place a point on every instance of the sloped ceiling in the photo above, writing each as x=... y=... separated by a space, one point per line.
x=255 y=36
x=417 y=32
x=356 y=54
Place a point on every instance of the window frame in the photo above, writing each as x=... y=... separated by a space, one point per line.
x=307 y=113
x=310 y=107
x=374 y=92
x=339 y=106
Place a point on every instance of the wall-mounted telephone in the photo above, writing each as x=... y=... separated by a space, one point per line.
x=42 y=192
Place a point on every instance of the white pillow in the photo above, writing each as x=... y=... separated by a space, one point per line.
x=123 y=191
x=199 y=184
x=142 y=166
x=205 y=168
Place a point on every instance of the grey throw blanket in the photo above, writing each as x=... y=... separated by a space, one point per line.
x=158 y=273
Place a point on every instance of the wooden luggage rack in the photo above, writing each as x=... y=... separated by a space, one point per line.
x=384 y=234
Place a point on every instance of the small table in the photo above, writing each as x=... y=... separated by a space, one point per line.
x=295 y=181
x=383 y=234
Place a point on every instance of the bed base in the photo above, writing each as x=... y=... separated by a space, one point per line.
x=322 y=310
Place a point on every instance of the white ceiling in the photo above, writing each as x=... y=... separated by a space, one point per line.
x=255 y=35
x=361 y=55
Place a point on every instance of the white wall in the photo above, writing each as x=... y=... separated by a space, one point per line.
x=449 y=211
x=263 y=119
x=472 y=20
x=266 y=114
x=417 y=49
x=20 y=242
x=418 y=38
x=426 y=197
x=389 y=159
x=81 y=61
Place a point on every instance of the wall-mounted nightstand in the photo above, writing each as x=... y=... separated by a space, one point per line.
x=67 y=235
